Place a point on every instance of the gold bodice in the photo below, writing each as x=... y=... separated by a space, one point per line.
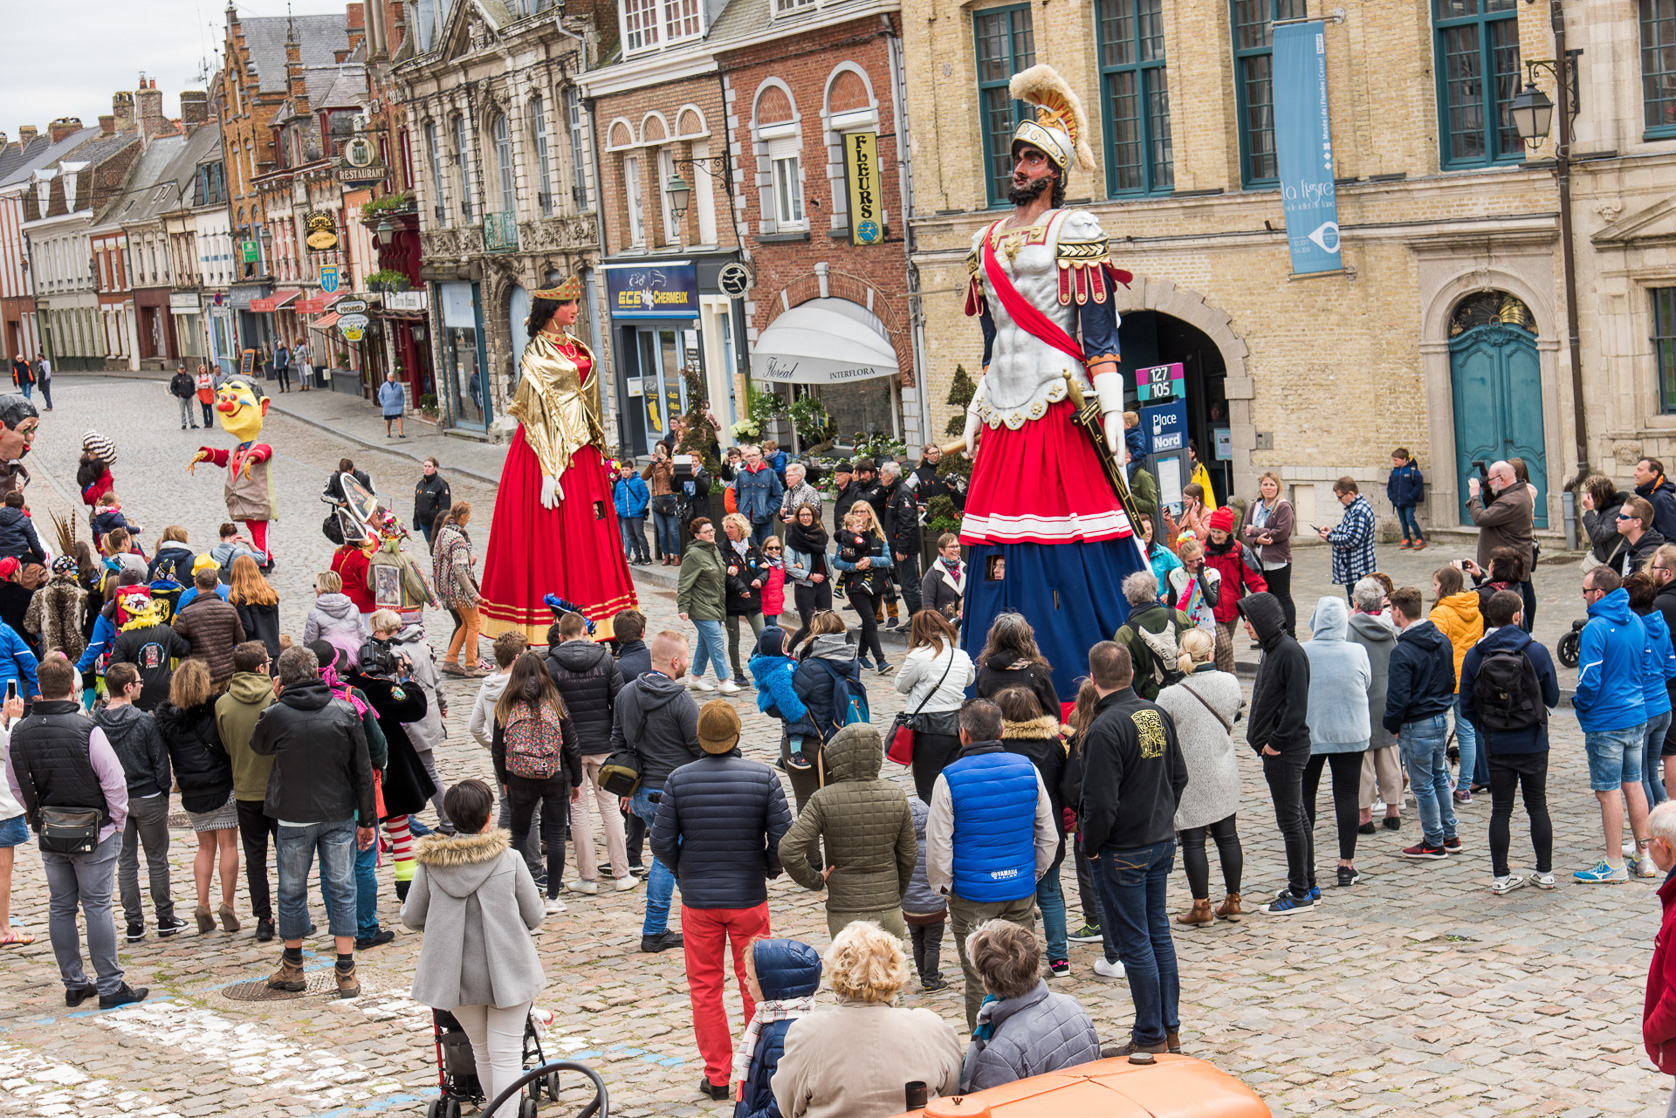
x=560 y=412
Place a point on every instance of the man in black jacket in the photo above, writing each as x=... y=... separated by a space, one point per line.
x=588 y=680
x=182 y=388
x=1420 y=691
x=657 y=718
x=718 y=829
x=1278 y=730
x=145 y=761
x=634 y=660
x=58 y=758
x=321 y=792
x=151 y=645
x=901 y=525
x=1133 y=775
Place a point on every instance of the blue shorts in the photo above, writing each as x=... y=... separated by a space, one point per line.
x=1614 y=757
x=13 y=832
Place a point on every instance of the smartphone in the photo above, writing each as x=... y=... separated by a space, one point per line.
x=11 y=690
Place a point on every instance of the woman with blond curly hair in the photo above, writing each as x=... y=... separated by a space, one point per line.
x=851 y=1061
x=746 y=573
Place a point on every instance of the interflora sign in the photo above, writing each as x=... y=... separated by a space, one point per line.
x=861 y=165
x=665 y=289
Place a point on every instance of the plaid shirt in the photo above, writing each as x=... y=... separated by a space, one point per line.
x=1352 y=542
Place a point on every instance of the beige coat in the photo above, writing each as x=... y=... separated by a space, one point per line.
x=851 y=1061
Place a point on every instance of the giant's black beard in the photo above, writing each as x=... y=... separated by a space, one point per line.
x=1024 y=195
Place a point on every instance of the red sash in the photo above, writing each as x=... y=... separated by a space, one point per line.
x=1024 y=313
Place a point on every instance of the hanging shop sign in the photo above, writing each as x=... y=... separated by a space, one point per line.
x=861 y=166
x=352 y=326
x=322 y=233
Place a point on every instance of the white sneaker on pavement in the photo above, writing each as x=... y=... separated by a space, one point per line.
x=555 y=906
x=583 y=885
x=624 y=884
x=729 y=687
x=699 y=683
x=1107 y=969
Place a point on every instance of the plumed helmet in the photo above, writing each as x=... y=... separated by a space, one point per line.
x=1060 y=127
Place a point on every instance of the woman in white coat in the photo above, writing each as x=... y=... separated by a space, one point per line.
x=934 y=675
x=1340 y=726
x=1203 y=707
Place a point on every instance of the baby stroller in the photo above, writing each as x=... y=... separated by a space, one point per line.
x=457 y=1068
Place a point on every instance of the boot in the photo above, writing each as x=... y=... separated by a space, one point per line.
x=1199 y=915
x=1172 y=1037
x=288 y=977
x=401 y=890
x=348 y=985
x=1230 y=909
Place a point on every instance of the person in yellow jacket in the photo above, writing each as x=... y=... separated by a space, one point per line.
x=1201 y=475
x=1456 y=614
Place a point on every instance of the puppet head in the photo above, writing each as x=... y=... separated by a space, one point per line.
x=241 y=407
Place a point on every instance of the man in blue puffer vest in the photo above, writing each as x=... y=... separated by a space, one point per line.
x=1612 y=713
x=990 y=836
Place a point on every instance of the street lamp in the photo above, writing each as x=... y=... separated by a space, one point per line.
x=385 y=232
x=679 y=194
x=1532 y=113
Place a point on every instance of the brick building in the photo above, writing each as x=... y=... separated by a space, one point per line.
x=504 y=200
x=20 y=326
x=1444 y=330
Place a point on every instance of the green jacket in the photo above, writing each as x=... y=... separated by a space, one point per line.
x=865 y=823
x=248 y=695
x=1144 y=490
x=1155 y=656
x=702 y=591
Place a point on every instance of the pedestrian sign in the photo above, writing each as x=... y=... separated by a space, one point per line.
x=329 y=278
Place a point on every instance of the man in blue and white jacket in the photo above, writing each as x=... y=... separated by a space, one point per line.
x=990 y=836
x=1612 y=714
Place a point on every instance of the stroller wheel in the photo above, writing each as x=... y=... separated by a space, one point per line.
x=1568 y=648
x=435 y=1109
x=526 y=1108
x=553 y=1086
x=450 y=1108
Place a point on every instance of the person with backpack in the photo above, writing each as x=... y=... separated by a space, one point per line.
x=1508 y=685
x=1241 y=573
x=147 y=642
x=1152 y=634
x=775 y=674
x=588 y=680
x=172 y=561
x=828 y=678
x=537 y=761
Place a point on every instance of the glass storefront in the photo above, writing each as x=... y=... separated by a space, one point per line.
x=465 y=375
x=656 y=385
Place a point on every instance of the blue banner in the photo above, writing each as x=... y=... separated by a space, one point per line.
x=1303 y=143
x=661 y=289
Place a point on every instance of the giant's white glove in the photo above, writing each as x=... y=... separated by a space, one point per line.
x=973 y=424
x=551 y=492
x=1108 y=386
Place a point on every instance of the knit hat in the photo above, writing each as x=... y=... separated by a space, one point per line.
x=772 y=642
x=98 y=444
x=1222 y=519
x=718 y=727
x=64 y=564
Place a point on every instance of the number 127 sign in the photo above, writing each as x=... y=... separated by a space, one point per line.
x=1161 y=382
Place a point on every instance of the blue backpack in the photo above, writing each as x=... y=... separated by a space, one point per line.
x=849 y=700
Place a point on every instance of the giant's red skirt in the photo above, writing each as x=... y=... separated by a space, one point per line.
x=574 y=550
x=1042 y=483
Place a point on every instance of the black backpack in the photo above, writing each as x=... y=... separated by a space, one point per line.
x=1506 y=693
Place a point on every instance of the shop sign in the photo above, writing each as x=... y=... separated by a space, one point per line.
x=861 y=166
x=668 y=289
x=322 y=233
x=329 y=277
x=1161 y=382
x=352 y=326
x=185 y=304
x=249 y=251
x=407 y=301
x=350 y=306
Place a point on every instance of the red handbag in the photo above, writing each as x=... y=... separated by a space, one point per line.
x=900 y=740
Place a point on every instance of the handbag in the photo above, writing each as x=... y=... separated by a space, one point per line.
x=901 y=735
x=620 y=775
x=70 y=830
x=1216 y=714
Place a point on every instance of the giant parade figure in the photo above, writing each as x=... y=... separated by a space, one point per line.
x=555 y=526
x=1045 y=521
x=241 y=407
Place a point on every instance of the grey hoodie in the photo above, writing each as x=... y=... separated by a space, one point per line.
x=1378 y=637
x=139 y=746
x=1339 y=678
x=919 y=899
x=427 y=733
x=658 y=718
x=477 y=904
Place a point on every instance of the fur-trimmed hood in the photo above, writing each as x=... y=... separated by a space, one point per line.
x=459 y=864
x=1047 y=726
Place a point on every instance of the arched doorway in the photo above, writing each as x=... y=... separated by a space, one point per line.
x=1149 y=338
x=1496 y=381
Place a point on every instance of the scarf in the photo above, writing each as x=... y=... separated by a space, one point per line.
x=810 y=541
x=329 y=674
x=953 y=568
x=779 y=1009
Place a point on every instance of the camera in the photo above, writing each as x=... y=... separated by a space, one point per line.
x=1483 y=468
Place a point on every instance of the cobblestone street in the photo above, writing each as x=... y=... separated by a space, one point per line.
x=1416 y=992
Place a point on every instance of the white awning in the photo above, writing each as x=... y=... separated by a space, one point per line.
x=824 y=341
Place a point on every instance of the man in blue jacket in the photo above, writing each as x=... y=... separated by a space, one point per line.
x=1513 y=726
x=1419 y=693
x=718 y=829
x=631 y=497
x=757 y=492
x=1613 y=716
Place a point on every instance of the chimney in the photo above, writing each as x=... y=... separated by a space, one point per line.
x=357 y=25
x=64 y=127
x=340 y=56
x=122 y=109
x=194 y=106
x=107 y=124
x=26 y=134
x=149 y=103
x=296 y=85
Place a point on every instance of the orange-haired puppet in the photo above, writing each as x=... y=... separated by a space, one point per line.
x=241 y=406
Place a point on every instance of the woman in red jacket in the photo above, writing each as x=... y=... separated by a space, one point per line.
x=1223 y=552
x=350 y=564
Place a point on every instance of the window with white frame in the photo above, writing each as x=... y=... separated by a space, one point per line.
x=785 y=175
x=631 y=188
x=503 y=163
x=640 y=24
x=781 y=7
x=704 y=193
x=461 y=157
x=438 y=180
x=680 y=19
x=578 y=147
x=666 y=171
x=538 y=130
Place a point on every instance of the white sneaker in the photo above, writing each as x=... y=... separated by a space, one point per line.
x=729 y=687
x=1503 y=885
x=1542 y=880
x=1644 y=867
x=555 y=906
x=1107 y=969
x=583 y=885
x=624 y=884
x=699 y=683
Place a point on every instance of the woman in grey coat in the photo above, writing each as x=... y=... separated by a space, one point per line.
x=1023 y=1030
x=1382 y=768
x=1340 y=726
x=1203 y=707
x=477 y=904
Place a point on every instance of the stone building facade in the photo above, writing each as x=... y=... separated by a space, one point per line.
x=1444 y=331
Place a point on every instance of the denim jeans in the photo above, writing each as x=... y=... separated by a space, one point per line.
x=147 y=826
x=710 y=650
x=1424 y=750
x=668 y=529
x=1050 y=898
x=760 y=532
x=188 y=417
x=634 y=537
x=1133 y=887
x=1467 y=738
x=84 y=881
x=660 y=883
x=1652 y=783
x=297 y=846
x=366 y=892
x=1410 y=525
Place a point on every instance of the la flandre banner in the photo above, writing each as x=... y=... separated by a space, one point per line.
x=1303 y=141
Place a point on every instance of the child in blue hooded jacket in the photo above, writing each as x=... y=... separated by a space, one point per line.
x=773 y=672
x=784 y=976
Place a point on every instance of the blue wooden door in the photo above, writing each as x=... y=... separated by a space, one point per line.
x=1497 y=380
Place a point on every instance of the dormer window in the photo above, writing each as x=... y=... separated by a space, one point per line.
x=647 y=23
